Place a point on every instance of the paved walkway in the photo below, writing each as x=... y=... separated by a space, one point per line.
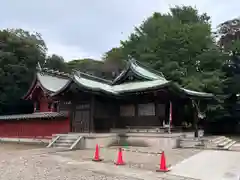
x=210 y=165
x=45 y=164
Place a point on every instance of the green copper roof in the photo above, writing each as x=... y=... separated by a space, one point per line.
x=196 y=93
x=132 y=86
x=118 y=89
x=138 y=86
x=93 y=85
x=144 y=72
x=57 y=82
x=140 y=71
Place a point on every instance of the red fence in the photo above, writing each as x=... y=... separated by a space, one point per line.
x=33 y=128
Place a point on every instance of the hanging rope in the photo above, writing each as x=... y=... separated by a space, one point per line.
x=201 y=114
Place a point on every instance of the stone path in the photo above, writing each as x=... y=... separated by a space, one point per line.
x=46 y=164
x=214 y=165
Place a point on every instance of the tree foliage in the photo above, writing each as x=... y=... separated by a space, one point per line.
x=55 y=62
x=179 y=44
x=229 y=41
x=229 y=33
x=20 y=51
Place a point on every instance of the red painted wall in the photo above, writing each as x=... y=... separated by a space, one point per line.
x=33 y=128
x=44 y=106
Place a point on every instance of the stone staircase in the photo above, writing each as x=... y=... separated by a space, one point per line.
x=67 y=141
x=221 y=142
x=235 y=147
x=217 y=143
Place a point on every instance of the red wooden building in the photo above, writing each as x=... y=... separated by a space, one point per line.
x=79 y=102
x=46 y=119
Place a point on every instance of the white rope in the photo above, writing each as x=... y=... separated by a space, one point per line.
x=201 y=114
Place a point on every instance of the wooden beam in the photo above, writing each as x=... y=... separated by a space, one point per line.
x=92 y=110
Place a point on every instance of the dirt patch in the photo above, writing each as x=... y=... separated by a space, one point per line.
x=4 y=147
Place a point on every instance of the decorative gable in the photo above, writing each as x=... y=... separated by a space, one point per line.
x=136 y=72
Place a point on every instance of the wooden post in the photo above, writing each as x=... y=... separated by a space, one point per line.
x=72 y=109
x=91 y=123
x=170 y=117
x=195 y=119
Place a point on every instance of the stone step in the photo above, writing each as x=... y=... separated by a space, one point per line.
x=229 y=145
x=66 y=140
x=189 y=143
x=216 y=139
x=224 y=142
x=219 y=140
x=62 y=145
x=68 y=137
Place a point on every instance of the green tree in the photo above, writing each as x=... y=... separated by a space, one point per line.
x=20 y=51
x=179 y=44
x=229 y=34
x=114 y=62
x=90 y=66
x=55 y=62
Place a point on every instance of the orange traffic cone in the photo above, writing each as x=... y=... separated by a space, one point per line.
x=96 y=156
x=163 y=166
x=120 y=158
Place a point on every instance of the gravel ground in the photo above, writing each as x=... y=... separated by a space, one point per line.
x=17 y=146
x=38 y=165
x=134 y=159
x=18 y=163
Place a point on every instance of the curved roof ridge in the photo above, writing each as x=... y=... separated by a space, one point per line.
x=124 y=71
x=134 y=61
x=92 y=77
x=140 y=70
x=52 y=83
x=55 y=73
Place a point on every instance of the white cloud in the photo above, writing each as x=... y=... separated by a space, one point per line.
x=69 y=52
x=79 y=29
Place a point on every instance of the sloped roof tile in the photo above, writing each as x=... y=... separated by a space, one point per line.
x=52 y=83
x=56 y=84
x=43 y=115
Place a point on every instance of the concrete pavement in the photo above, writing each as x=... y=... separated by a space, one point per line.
x=210 y=165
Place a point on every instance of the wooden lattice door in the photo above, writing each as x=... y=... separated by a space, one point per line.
x=81 y=118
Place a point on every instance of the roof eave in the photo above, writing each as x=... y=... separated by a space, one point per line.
x=168 y=83
x=63 y=88
x=32 y=87
x=196 y=94
x=94 y=90
x=43 y=88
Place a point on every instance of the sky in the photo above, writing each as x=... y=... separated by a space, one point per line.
x=77 y=29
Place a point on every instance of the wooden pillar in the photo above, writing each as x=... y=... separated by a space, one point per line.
x=92 y=112
x=71 y=115
x=195 y=118
x=35 y=106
